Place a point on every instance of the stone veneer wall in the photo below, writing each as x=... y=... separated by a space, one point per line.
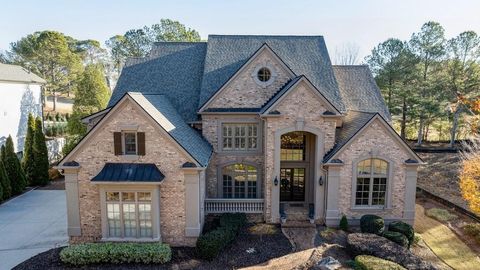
x=375 y=139
x=300 y=104
x=244 y=92
x=159 y=150
x=210 y=128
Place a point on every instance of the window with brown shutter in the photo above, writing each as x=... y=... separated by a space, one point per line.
x=117 y=143
x=141 y=143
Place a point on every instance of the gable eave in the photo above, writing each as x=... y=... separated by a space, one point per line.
x=241 y=68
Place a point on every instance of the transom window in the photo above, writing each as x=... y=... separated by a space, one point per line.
x=239 y=181
x=293 y=147
x=130 y=143
x=264 y=74
x=371 y=186
x=242 y=137
x=129 y=214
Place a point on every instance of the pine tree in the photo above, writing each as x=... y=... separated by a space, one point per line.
x=14 y=169
x=4 y=183
x=2 y=153
x=28 y=162
x=40 y=155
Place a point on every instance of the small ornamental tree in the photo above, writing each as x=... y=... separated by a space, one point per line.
x=4 y=183
x=14 y=169
x=40 y=154
x=470 y=174
x=28 y=162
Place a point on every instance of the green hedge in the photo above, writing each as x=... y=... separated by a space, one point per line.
x=117 y=253
x=372 y=224
x=366 y=262
x=210 y=244
x=403 y=228
x=396 y=237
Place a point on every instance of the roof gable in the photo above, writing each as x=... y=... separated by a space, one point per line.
x=14 y=73
x=306 y=55
x=264 y=56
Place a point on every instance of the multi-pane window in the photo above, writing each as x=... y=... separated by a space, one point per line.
x=264 y=74
x=293 y=147
x=371 y=187
x=129 y=214
x=242 y=137
x=130 y=143
x=239 y=181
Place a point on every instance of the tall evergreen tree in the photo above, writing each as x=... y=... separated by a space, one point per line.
x=40 y=155
x=14 y=169
x=28 y=162
x=2 y=153
x=4 y=184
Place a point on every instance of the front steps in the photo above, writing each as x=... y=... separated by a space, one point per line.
x=296 y=216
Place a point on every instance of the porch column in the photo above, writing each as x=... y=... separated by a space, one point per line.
x=71 y=190
x=193 y=224
x=333 y=184
x=410 y=192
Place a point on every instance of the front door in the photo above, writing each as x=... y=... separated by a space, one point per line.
x=292 y=185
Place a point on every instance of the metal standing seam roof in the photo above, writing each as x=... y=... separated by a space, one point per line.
x=165 y=114
x=129 y=172
x=16 y=73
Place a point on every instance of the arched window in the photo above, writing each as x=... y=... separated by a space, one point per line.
x=371 y=186
x=239 y=181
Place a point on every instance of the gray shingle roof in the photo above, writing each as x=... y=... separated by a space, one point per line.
x=18 y=74
x=359 y=90
x=165 y=114
x=352 y=123
x=129 y=172
x=305 y=55
x=173 y=69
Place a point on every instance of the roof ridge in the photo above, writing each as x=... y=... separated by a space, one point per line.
x=227 y=35
x=359 y=65
x=280 y=89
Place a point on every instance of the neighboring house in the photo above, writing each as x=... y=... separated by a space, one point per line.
x=21 y=94
x=256 y=124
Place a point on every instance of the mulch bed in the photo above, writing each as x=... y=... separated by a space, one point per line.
x=266 y=244
x=57 y=184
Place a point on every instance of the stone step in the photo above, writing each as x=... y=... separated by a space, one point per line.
x=298 y=224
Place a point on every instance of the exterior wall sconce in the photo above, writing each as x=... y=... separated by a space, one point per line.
x=275 y=181
x=320 y=181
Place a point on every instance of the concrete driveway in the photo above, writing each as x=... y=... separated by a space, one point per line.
x=30 y=224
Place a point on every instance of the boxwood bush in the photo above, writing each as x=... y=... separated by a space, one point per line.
x=372 y=224
x=396 y=237
x=210 y=244
x=366 y=262
x=403 y=228
x=117 y=253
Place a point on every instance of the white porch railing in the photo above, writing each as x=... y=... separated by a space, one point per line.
x=234 y=205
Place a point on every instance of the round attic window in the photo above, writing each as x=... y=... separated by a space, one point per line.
x=264 y=74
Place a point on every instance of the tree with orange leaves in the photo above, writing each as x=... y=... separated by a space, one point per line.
x=470 y=174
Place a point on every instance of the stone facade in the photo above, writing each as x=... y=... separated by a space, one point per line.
x=160 y=151
x=244 y=92
x=374 y=142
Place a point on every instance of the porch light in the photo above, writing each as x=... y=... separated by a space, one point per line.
x=275 y=181
x=320 y=181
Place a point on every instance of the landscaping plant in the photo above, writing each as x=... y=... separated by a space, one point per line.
x=473 y=229
x=396 y=237
x=403 y=228
x=440 y=214
x=343 y=223
x=40 y=152
x=117 y=253
x=372 y=224
x=470 y=173
x=4 y=183
x=14 y=169
x=367 y=262
x=28 y=161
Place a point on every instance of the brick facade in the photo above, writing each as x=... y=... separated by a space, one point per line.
x=160 y=151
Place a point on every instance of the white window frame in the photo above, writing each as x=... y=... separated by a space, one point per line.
x=124 y=142
x=154 y=208
x=371 y=176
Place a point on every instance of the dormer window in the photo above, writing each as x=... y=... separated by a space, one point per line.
x=264 y=74
x=130 y=143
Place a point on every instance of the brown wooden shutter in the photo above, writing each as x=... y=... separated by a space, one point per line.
x=117 y=143
x=141 y=143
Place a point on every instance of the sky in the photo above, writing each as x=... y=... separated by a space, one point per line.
x=363 y=23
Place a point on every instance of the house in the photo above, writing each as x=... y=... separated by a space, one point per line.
x=263 y=125
x=21 y=92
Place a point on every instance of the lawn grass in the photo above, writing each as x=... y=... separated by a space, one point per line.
x=440 y=214
x=444 y=243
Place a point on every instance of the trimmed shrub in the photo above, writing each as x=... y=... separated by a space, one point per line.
x=4 y=183
x=372 y=224
x=473 y=229
x=343 y=223
x=440 y=214
x=366 y=262
x=210 y=244
x=117 y=253
x=40 y=153
x=403 y=228
x=396 y=237
x=13 y=168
